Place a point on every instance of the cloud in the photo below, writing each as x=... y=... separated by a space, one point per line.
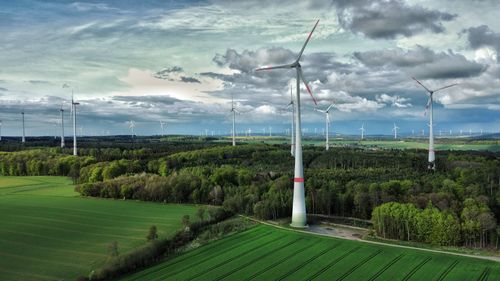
x=86 y=7
x=248 y=61
x=394 y=101
x=423 y=62
x=38 y=82
x=482 y=36
x=3 y=89
x=388 y=19
x=189 y=80
x=166 y=72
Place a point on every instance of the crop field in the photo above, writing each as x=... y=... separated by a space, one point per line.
x=49 y=233
x=268 y=253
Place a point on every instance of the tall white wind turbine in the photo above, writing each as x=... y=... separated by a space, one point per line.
x=327 y=124
x=362 y=129
x=131 y=126
x=234 y=111
x=162 y=126
x=395 y=130
x=299 y=218
x=23 y=139
x=432 y=156
x=62 y=125
x=73 y=111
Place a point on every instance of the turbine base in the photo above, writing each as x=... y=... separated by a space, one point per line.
x=431 y=166
x=299 y=220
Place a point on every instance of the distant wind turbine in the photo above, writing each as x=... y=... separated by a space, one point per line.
x=0 y=130
x=362 y=129
x=327 y=124
x=395 y=130
x=73 y=111
x=62 y=125
x=432 y=156
x=299 y=218
x=131 y=126
x=234 y=111
x=162 y=126
x=23 y=139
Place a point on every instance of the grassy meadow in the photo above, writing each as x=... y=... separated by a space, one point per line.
x=50 y=233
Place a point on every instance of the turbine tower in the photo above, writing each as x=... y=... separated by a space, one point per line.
x=292 y=140
x=23 y=139
x=234 y=111
x=299 y=218
x=73 y=111
x=62 y=125
x=432 y=156
x=362 y=129
x=162 y=126
x=395 y=130
x=327 y=124
x=131 y=126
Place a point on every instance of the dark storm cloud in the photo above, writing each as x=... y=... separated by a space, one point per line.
x=388 y=19
x=248 y=61
x=189 y=80
x=422 y=62
x=483 y=36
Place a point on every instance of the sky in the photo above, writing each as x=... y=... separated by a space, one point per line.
x=182 y=61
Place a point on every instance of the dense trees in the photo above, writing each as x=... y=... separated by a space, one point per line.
x=256 y=180
x=407 y=222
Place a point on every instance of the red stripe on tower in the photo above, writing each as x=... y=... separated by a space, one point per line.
x=298 y=179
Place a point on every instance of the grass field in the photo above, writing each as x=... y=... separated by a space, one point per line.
x=268 y=253
x=49 y=233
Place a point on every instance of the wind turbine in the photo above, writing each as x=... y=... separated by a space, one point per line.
x=432 y=156
x=395 y=130
x=234 y=111
x=299 y=218
x=0 y=130
x=23 y=139
x=131 y=126
x=292 y=140
x=327 y=124
x=62 y=125
x=73 y=111
x=163 y=125
x=362 y=129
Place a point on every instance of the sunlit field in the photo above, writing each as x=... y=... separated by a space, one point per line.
x=50 y=233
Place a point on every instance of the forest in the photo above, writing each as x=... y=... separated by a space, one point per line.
x=456 y=205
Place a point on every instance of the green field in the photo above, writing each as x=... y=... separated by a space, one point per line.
x=268 y=253
x=440 y=144
x=49 y=233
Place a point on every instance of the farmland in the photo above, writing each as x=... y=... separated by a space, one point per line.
x=440 y=144
x=268 y=253
x=50 y=233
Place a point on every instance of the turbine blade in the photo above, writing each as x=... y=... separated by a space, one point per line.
x=307 y=86
x=273 y=67
x=445 y=87
x=307 y=41
x=328 y=109
x=427 y=106
x=422 y=85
